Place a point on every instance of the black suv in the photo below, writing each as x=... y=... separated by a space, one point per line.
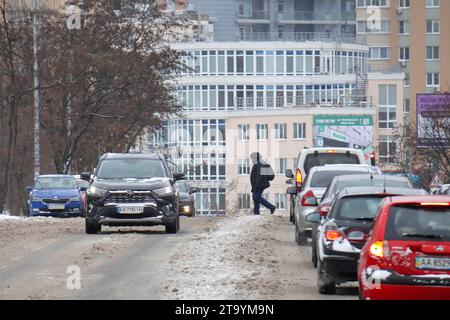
x=132 y=190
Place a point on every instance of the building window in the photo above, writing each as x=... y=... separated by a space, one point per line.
x=280 y=201
x=365 y=27
x=244 y=132
x=368 y=3
x=299 y=130
x=433 y=26
x=388 y=149
x=403 y=27
x=432 y=53
x=280 y=131
x=387 y=106
x=378 y=53
x=262 y=131
x=433 y=79
x=432 y=3
x=243 y=167
x=406 y=106
x=210 y=201
x=244 y=201
x=404 y=54
x=403 y=4
x=280 y=166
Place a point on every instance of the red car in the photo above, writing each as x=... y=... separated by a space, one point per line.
x=407 y=256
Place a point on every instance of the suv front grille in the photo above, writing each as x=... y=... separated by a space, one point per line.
x=129 y=198
x=56 y=200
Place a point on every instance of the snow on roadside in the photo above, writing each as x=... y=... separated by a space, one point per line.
x=8 y=217
x=233 y=261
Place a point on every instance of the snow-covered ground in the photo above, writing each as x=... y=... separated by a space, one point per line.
x=235 y=260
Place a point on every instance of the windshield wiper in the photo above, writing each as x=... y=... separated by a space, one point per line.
x=364 y=219
x=427 y=236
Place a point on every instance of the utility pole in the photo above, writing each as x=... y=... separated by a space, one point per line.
x=37 y=107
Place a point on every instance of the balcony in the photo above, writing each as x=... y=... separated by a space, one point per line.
x=309 y=17
x=254 y=16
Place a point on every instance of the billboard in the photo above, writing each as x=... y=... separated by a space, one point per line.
x=344 y=131
x=431 y=110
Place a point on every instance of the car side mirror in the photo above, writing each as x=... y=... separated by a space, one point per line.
x=313 y=217
x=29 y=189
x=178 y=176
x=289 y=174
x=86 y=176
x=291 y=190
x=193 y=190
x=290 y=181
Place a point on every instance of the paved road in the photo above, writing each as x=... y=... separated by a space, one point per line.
x=132 y=264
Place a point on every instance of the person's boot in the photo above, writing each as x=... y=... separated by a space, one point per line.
x=272 y=210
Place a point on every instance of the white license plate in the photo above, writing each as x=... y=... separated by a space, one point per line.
x=431 y=263
x=130 y=210
x=55 y=206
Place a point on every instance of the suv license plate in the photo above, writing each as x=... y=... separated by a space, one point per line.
x=130 y=210
x=56 y=206
x=432 y=263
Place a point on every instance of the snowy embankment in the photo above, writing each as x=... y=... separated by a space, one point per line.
x=235 y=260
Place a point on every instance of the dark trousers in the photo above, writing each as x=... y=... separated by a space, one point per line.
x=259 y=200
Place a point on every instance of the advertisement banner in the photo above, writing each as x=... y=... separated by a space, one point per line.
x=432 y=108
x=344 y=131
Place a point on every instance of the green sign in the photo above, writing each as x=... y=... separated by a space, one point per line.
x=345 y=121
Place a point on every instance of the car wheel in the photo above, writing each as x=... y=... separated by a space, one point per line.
x=325 y=282
x=174 y=226
x=92 y=227
x=300 y=238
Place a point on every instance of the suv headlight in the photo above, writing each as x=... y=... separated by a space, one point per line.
x=96 y=192
x=163 y=191
x=35 y=198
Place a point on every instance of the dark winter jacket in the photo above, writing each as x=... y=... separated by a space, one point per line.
x=260 y=176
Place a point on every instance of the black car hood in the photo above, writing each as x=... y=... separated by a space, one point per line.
x=185 y=196
x=131 y=184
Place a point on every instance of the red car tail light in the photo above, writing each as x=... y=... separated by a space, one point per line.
x=309 y=199
x=379 y=249
x=436 y=204
x=333 y=235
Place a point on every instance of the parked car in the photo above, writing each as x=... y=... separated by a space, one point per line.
x=55 y=196
x=408 y=253
x=311 y=193
x=309 y=158
x=346 y=181
x=341 y=236
x=187 y=200
x=132 y=190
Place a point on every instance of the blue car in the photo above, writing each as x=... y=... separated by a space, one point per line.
x=55 y=196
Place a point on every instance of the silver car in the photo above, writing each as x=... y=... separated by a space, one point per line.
x=312 y=190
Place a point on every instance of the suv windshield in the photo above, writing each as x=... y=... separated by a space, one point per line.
x=58 y=183
x=418 y=223
x=322 y=179
x=322 y=159
x=131 y=169
x=357 y=208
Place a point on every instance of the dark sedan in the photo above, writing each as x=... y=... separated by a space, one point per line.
x=187 y=200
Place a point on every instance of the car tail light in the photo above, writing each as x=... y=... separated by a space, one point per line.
x=323 y=210
x=333 y=235
x=379 y=249
x=356 y=236
x=309 y=199
x=437 y=204
x=298 y=177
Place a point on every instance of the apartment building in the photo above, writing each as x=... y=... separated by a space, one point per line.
x=410 y=36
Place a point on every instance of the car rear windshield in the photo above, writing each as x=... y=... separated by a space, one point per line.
x=367 y=182
x=322 y=159
x=418 y=223
x=322 y=179
x=131 y=169
x=357 y=208
x=55 y=183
